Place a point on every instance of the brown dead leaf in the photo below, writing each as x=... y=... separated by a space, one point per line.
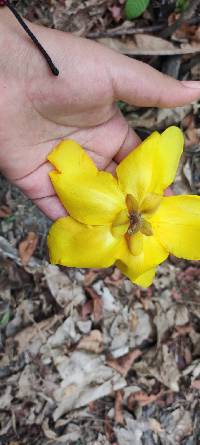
x=89 y=277
x=123 y=364
x=119 y=418
x=5 y=211
x=195 y=384
x=86 y=309
x=183 y=330
x=185 y=32
x=115 y=278
x=116 y=12
x=109 y=432
x=191 y=132
x=92 y=342
x=142 y=398
x=27 y=247
x=145 y=44
x=97 y=304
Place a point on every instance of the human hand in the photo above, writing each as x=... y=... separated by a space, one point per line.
x=38 y=110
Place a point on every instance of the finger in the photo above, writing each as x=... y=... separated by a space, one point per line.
x=37 y=186
x=51 y=207
x=139 y=84
x=130 y=142
x=104 y=141
x=110 y=141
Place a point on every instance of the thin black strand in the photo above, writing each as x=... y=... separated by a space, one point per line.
x=53 y=68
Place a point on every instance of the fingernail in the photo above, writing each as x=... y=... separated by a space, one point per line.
x=191 y=84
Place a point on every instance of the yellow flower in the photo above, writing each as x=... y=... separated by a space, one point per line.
x=124 y=220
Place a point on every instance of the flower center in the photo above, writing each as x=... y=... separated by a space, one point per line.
x=135 y=222
x=131 y=222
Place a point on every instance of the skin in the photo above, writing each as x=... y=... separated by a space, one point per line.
x=38 y=110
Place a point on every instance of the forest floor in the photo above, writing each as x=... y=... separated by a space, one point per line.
x=86 y=357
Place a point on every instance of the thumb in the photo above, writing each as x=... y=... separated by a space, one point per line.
x=139 y=84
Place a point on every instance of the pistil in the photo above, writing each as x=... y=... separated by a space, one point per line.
x=135 y=222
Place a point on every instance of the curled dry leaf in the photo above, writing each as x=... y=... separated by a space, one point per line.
x=123 y=364
x=92 y=342
x=142 y=398
x=97 y=304
x=119 y=418
x=27 y=247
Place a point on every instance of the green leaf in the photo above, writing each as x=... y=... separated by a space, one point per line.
x=5 y=319
x=181 y=5
x=121 y=105
x=9 y=219
x=134 y=8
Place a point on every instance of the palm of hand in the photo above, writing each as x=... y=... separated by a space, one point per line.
x=38 y=110
x=41 y=110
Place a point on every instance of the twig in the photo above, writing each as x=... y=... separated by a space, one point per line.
x=122 y=31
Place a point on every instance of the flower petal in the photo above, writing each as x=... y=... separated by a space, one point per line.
x=151 y=167
x=176 y=223
x=133 y=266
x=74 y=244
x=90 y=196
x=146 y=279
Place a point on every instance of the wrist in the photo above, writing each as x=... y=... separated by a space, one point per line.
x=13 y=44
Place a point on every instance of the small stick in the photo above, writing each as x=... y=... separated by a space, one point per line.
x=48 y=59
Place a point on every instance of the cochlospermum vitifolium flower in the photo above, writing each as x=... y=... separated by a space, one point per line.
x=124 y=220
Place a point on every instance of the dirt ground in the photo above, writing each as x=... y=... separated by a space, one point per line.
x=86 y=357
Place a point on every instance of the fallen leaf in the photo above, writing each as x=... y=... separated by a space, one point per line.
x=86 y=309
x=92 y=342
x=89 y=277
x=123 y=364
x=118 y=407
x=144 y=44
x=65 y=292
x=132 y=433
x=27 y=247
x=116 y=12
x=5 y=211
x=182 y=330
x=191 y=136
x=97 y=304
x=109 y=432
x=88 y=377
x=155 y=425
x=195 y=384
x=142 y=398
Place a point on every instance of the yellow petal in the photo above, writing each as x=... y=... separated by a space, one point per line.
x=176 y=223
x=146 y=279
x=120 y=224
x=74 y=244
x=151 y=202
x=135 y=243
x=153 y=253
x=90 y=196
x=151 y=167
